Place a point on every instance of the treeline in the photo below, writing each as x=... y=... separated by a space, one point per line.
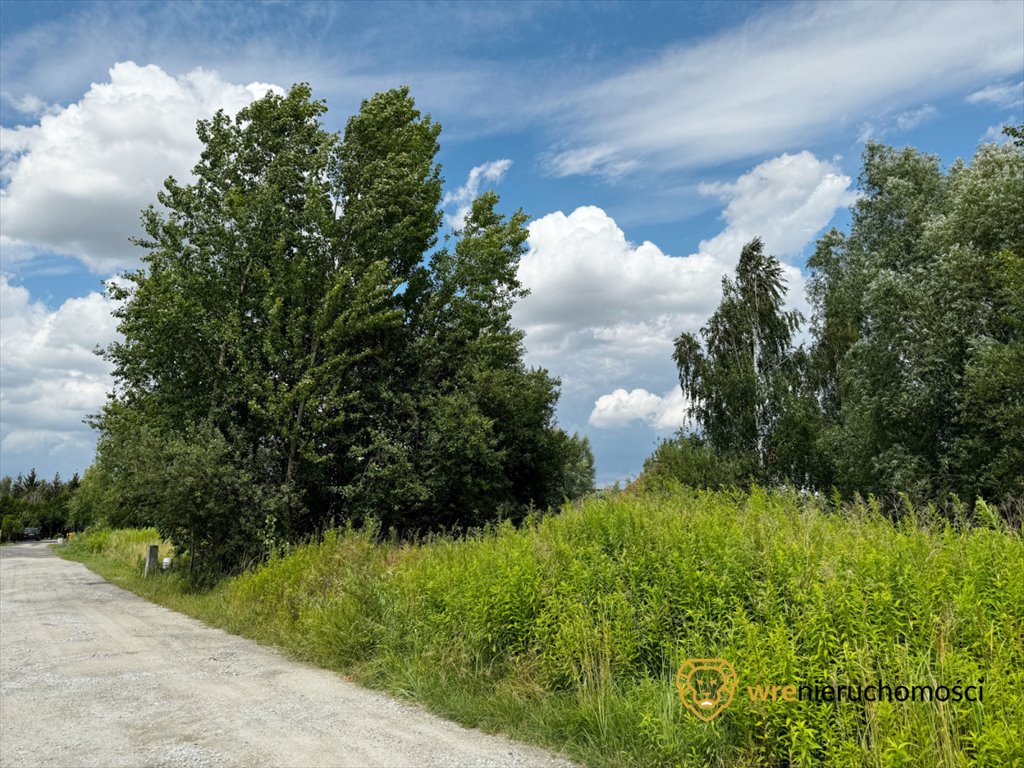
x=29 y=501
x=912 y=376
x=300 y=350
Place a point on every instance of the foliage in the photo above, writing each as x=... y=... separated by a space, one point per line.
x=914 y=382
x=577 y=473
x=10 y=527
x=299 y=348
x=918 y=327
x=95 y=501
x=737 y=380
x=29 y=501
x=687 y=460
x=568 y=630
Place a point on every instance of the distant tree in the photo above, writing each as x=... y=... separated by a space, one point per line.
x=688 y=460
x=29 y=501
x=28 y=487
x=92 y=501
x=737 y=374
x=578 y=474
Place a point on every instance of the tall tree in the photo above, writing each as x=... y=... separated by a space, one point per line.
x=298 y=344
x=737 y=374
x=917 y=326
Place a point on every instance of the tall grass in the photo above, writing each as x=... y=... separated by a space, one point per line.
x=568 y=631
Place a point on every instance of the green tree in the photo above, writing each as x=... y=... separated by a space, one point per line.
x=688 y=460
x=298 y=344
x=92 y=501
x=31 y=501
x=917 y=326
x=737 y=375
x=10 y=527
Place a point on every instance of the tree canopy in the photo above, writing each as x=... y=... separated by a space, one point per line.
x=29 y=501
x=735 y=384
x=913 y=381
x=299 y=348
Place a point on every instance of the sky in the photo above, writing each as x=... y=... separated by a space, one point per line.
x=648 y=142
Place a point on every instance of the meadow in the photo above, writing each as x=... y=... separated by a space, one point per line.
x=568 y=630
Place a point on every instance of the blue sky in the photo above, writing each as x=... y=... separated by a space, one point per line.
x=648 y=141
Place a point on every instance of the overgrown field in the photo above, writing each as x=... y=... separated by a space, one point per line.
x=568 y=631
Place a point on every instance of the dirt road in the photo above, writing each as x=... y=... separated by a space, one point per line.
x=91 y=675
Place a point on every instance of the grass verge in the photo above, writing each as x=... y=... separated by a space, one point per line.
x=568 y=631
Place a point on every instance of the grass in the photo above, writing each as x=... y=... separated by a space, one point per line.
x=568 y=631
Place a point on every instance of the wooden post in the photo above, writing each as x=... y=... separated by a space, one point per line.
x=151 y=561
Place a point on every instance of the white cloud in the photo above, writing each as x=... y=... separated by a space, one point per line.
x=77 y=180
x=889 y=122
x=785 y=200
x=621 y=408
x=27 y=104
x=600 y=308
x=602 y=160
x=788 y=77
x=1000 y=94
x=908 y=121
x=994 y=133
x=462 y=198
x=52 y=378
x=603 y=312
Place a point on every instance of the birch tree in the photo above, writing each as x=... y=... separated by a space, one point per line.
x=736 y=373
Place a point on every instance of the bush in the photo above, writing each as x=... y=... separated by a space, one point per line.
x=569 y=629
x=686 y=460
x=10 y=527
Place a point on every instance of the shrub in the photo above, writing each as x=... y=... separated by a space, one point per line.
x=569 y=629
x=686 y=460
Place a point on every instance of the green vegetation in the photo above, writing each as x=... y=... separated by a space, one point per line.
x=568 y=630
x=914 y=378
x=311 y=387
x=29 y=501
x=299 y=348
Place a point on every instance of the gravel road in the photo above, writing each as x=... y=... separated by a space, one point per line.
x=91 y=675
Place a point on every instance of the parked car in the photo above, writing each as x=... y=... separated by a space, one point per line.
x=33 y=534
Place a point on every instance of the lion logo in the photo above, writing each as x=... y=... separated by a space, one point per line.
x=706 y=686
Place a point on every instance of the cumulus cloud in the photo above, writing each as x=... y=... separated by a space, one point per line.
x=462 y=198
x=601 y=307
x=785 y=200
x=786 y=78
x=76 y=181
x=621 y=408
x=1006 y=95
x=602 y=311
x=51 y=376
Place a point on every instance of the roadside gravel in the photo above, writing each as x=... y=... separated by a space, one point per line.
x=92 y=675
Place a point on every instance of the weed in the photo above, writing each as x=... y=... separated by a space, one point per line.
x=568 y=630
